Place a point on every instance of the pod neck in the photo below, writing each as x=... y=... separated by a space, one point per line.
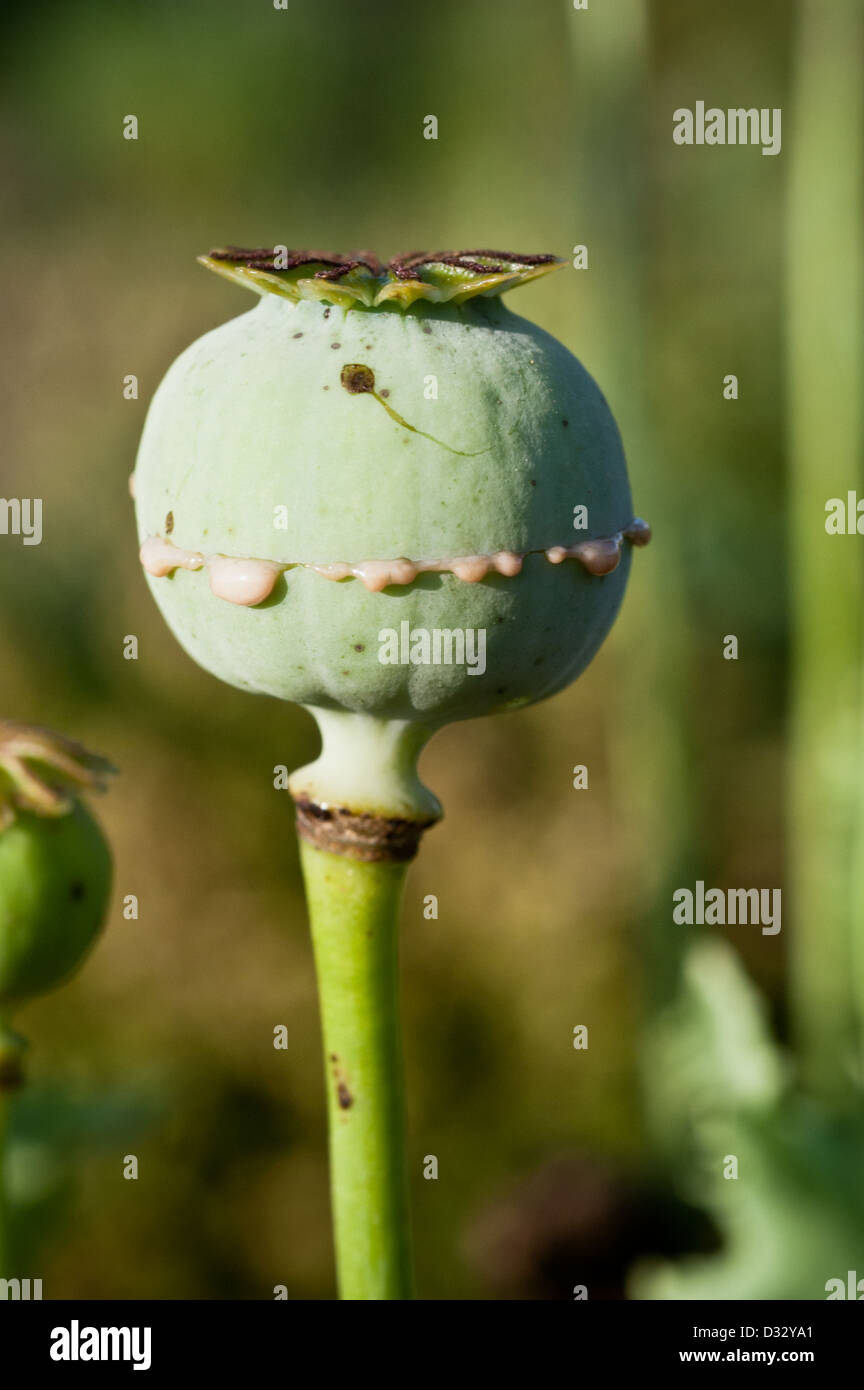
x=362 y=796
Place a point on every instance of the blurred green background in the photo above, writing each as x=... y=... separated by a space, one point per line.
x=304 y=127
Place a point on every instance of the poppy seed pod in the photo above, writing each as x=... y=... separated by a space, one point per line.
x=360 y=496
x=55 y=868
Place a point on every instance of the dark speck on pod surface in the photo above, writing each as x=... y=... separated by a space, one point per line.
x=335 y=345
x=346 y=1100
x=356 y=378
x=359 y=646
x=565 y=423
x=426 y=328
x=298 y=335
x=385 y=392
x=169 y=523
x=77 y=891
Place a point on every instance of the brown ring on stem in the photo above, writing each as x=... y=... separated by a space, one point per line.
x=359 y=835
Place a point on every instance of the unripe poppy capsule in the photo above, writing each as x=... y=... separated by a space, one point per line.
x=55 y=867
x=360 y=496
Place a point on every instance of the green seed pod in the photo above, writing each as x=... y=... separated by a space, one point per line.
x=55 y=866
x=377 y=470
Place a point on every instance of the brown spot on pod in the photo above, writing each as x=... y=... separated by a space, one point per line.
x=169 y=523
x=357 y=379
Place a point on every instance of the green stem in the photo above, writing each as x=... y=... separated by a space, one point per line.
x=825 y=284
x=354 y=911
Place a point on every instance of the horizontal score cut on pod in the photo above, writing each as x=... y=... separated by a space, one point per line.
x=251 y=581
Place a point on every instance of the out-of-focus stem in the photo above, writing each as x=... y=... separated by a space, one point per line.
x=6 y=1270
x=825 y=373
x=613 y=217
x=12 y=1050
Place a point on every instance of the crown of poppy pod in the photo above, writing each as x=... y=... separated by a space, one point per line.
x=40 y=771
x=357 y=279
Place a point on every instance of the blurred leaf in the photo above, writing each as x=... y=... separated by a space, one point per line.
x=793 y=1217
